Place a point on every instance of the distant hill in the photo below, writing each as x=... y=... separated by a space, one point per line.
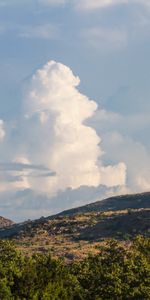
x=5 y=222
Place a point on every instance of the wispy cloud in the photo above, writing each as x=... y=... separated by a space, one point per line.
x=44 y=31
x=84 y=5
x=88 y=5
x=5 y=3
x=97 y=4
x=102 y=38
x=10 y=166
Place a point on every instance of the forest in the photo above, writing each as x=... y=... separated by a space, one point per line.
x=116 y=272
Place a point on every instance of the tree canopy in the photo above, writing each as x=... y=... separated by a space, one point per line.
x=115 y=272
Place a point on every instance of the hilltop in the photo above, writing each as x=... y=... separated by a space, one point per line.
x=115 y=203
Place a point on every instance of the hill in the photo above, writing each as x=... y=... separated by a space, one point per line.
x=75 y=233
x=5 y=222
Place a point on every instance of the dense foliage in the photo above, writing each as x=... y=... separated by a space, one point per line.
x=114 y=273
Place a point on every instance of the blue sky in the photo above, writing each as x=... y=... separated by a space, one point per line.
x=107 y=45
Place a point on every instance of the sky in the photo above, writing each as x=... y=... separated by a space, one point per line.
x=74 y=103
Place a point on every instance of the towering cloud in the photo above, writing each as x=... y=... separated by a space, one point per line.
x=50 y=152
x=55 y=120
x=51 y=147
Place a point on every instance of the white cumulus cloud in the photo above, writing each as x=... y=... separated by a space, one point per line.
x=72 y=148
x=50 y=149
x=114 y=175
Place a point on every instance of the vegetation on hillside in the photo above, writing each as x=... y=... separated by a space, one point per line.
x=115 y=272
x=75 y=236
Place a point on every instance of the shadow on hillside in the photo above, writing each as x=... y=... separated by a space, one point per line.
x=118 y=226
